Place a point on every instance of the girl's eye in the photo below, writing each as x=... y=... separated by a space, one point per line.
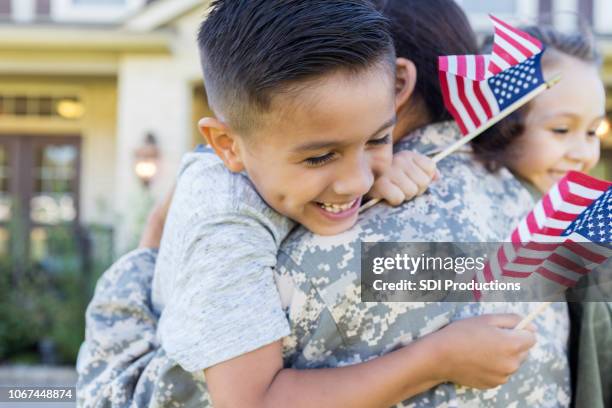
x=560 y=130
x=319 y=160
x=592 y=133
x=382 y=141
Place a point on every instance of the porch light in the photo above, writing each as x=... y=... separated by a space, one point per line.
x=146 y=160
x=70 y=109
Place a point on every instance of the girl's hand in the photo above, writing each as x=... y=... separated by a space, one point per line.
x=484 y=351
x=409 y=176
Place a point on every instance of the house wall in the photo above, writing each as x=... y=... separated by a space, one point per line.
x=155 y=95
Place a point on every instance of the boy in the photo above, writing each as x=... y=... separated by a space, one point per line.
x=304 y=97
x=310 y=125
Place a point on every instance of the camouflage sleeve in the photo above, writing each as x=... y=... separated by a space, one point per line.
x=121 y=364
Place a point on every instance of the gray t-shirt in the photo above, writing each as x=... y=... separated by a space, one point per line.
x=213 y=282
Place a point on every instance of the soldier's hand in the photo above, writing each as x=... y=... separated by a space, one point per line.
x=409 y=176
x=154 y=228
x=484 y=351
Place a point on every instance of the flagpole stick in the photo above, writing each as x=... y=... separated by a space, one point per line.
x=369 y=204
x=452 y=148
x=467 y=138
x=531 y=316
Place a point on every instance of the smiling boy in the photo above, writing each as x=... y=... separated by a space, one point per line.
x=304 y=96
x=304 y=114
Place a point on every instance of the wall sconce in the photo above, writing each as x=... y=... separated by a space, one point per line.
x=70 y=108
x=146 y=160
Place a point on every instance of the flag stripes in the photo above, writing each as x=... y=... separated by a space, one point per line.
x=554 y=240
x=476 y=88
x=510 y=46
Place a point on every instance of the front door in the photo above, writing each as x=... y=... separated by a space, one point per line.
x=39 y=191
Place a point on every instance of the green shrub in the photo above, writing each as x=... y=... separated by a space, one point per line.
x=44 y=302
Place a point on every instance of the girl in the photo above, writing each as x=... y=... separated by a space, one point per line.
x=557 y=132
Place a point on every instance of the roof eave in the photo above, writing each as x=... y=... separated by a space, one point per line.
x=59 y=38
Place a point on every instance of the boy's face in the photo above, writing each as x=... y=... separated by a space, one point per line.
x=317 y=153
x=561 y=128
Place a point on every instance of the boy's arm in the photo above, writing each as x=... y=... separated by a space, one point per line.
x=477 y=352
x=410 y=175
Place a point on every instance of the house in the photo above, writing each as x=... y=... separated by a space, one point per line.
x=87 y=85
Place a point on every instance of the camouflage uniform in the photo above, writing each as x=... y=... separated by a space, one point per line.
x=121 y=363
x=318 y=278
x=320 y=282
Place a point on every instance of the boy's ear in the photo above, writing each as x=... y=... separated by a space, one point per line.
x=220 y=137
x=405 y=81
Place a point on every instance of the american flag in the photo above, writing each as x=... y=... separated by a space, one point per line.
x=565 y=236
x=476 y=88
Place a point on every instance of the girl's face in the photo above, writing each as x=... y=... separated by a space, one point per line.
x=562 y=125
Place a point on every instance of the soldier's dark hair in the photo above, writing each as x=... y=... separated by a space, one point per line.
x=422 y=31
x=252 y=50
x=493 y=146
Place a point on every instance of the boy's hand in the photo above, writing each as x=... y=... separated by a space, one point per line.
x=409 y=176
x=484 y=351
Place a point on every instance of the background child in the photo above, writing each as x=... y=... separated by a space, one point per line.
x=557 y=132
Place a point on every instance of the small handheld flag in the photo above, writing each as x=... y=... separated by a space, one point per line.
x=481 y=90
x=565 y=236
x=476 y=88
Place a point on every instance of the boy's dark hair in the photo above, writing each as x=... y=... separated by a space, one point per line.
x=422 y=31
x=253 y=49
x=493 y=146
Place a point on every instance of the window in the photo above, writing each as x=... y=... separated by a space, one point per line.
x=99 y=2
x=486 y=7
x=43 y=8
x=62 y=107
x=5 y=8
x=39 y=190
x=5 y=199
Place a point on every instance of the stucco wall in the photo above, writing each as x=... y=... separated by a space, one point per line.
x=155 y=95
